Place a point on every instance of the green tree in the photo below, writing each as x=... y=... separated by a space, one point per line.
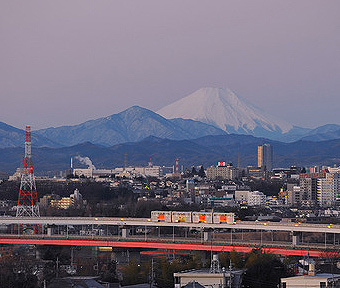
x=17 y=272
x=201 y=172
x=224 y=258
x=133 y=274
x=236 y=259
x=263 y=270
x=144 y=208
x=193 y=171
x=165 y=271
x=109 y=273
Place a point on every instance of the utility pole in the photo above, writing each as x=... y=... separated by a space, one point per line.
x=57 y=268
x=72 y=257
x=230 y=269
x=152 y=274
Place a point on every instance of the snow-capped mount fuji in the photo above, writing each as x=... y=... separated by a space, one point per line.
x=224 y=109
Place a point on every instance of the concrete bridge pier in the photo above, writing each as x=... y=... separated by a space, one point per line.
x=125 y=232
x=296 y=239
x=207 y=235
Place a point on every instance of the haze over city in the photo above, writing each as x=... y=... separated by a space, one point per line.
x=65 y=62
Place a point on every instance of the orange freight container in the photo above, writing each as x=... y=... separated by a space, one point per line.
x=223 y=219
x=201 y=218
x=181 y=218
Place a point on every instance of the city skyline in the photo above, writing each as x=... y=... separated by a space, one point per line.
x=64 y=63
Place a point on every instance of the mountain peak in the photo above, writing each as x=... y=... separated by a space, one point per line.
x=130 y=125
x=135 y=108
x=221 y=107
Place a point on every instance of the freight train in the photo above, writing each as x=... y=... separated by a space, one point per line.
x=193 y=217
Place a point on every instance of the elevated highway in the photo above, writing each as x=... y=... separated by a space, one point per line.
x=143 y=233
x=133 y=222
x=134 y=243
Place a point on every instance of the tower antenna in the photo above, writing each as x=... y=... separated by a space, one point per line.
x=28 y=198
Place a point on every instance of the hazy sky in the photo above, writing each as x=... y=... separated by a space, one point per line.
x=65 y=62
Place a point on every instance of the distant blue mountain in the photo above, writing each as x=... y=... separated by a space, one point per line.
x=131 y=125
x=14 y=137
x=206 y=150
x=295 y=134
x=11 y=136
x=322 y=133
x=137 y=123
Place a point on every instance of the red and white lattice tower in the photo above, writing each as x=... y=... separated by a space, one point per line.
x=28 y=198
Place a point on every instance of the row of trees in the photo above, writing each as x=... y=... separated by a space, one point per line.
x=262 y=269
x=18 y=269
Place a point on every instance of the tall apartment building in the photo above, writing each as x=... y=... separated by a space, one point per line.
x=309 y=187
x=294 y=195
x=308 y=191
x=328 y=189
x=265 y=157
x=321 y=189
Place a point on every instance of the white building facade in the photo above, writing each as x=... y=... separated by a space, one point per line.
x=328 y=189
x=256 y=198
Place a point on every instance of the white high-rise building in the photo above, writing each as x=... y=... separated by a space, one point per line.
x=328 y=188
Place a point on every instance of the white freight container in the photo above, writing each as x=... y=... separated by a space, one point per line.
x=181 y=217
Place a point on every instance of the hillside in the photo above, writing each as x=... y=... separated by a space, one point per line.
x=206 y=150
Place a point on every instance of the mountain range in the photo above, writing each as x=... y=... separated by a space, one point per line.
x=208 y=112
x=207 y=151
x=14 y=137
x=131 y=125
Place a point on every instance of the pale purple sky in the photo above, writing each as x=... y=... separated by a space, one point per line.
x=64 y=62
